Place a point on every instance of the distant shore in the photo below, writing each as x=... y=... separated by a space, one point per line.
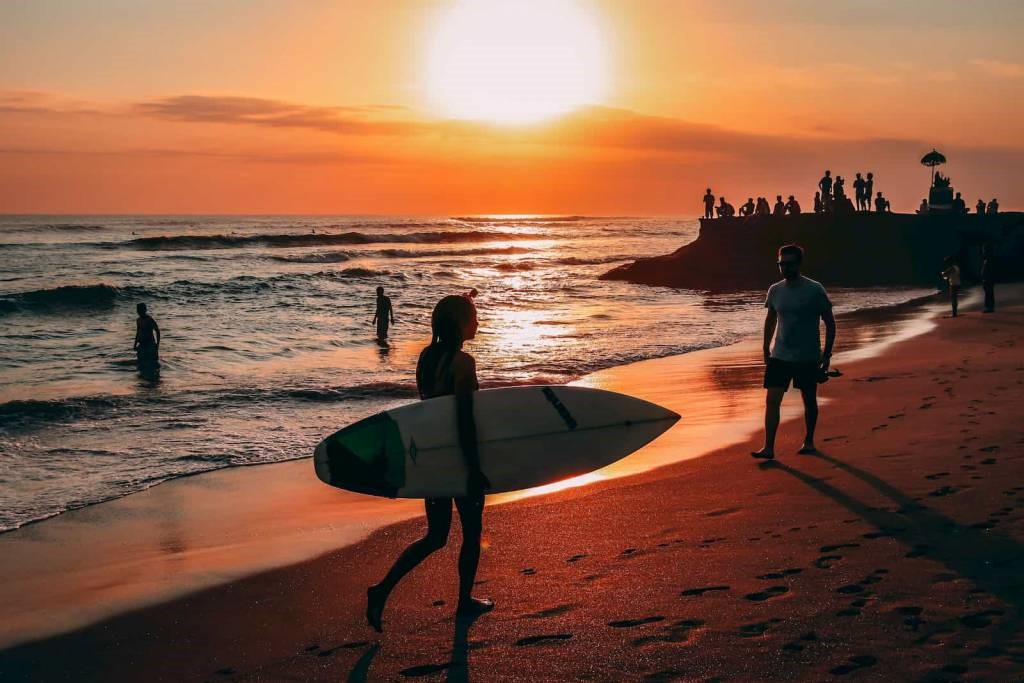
x=893 y=552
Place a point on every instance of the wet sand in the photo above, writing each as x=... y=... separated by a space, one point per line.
x=892 y=555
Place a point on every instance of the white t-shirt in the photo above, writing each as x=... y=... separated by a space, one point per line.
x=799 y=306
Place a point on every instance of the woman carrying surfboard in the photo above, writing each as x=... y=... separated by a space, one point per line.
x=444 y=369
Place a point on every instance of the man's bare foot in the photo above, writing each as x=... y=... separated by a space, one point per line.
x=474 y=606
x=763 y=454
x=808 y=449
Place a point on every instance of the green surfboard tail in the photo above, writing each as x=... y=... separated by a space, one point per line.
x=368 y=457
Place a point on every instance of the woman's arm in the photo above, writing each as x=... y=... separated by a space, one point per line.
x=464 y=376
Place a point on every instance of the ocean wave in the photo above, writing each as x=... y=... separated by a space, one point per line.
x=329 y=257
x=525 y=219
x=180 y=242
x=65 y=297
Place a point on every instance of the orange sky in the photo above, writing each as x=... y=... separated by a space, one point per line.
x=204 y=106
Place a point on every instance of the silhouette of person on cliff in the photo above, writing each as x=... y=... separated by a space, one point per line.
x=725 y=209
x=988 y=278
x=709 y=204
x=819 y=206
x=881 y=203
x=825 y=184
x=780 y=207
x=793 y=206
x=763 y=208
x=444 y=369
x=384 y=313
x=951 y=273
x=748 y=208
x=959 y=206
x=869 y=188
x=993 y=207
x=147 y=343
x=796 y=305
x=858 y=190
x=924 y=206
x=838 y=189
x=980 y=207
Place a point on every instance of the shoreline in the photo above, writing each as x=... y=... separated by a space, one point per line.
x=868 y=557
x=192 y=533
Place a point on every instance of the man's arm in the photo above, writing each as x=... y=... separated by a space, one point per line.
x=156 y=329
x=138 y=333
x=830 y=337
x=770 y=322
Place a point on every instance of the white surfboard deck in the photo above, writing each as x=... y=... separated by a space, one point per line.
x=527 y=436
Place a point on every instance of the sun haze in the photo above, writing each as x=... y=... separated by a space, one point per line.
x=514 y=62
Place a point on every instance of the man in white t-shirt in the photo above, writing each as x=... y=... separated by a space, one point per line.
x=796 y=305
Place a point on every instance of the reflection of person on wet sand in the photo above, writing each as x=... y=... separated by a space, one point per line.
x=383 y=314
x=795 y=306
x=444 y=369
x=147 y=342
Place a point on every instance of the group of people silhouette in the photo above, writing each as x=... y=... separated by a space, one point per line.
x=831 y=195
x=724 y=209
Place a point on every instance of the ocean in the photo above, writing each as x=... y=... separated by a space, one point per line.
x=267 y=338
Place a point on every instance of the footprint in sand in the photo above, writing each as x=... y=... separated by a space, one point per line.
x=881 y=426
x=849 y=612
x=871 y=535
x=679 y=632
x=937 y=475
x=825 y=561
x=722 y=512
x=852 y=664
x=757 y=629
x=850 y=589
x=799 y=645
x=226 y=671
x=344 y=646
x=628 y=551
x=424 y=670
x=545 y=639
x=701 y=591
x=767 y=594
x=665 y=675
x=988 y=461
x=552 y=611
x=781 y=574
x=631 y=623
x=839 y=546
x=529 y=571
x=577 y=558
x=944 y=491
x=980 y=619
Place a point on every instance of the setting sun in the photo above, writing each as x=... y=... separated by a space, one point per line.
x=514 y=62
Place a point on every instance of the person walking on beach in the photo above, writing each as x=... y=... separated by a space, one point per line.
x=384 y=313
x=147 y=342
x=795 y=306
x=951 y=273
x=444 y=369
x=709 y=204
x=988 y=280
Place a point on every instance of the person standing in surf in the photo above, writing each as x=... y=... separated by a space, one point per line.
x=444 y=369
x=147 y=342
x=383 y=314
x=795 y=306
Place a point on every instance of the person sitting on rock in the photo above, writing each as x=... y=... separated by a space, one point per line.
x=980 y=207
x=881 y=204
x=793 y=206
x=993 y=206
x=838 y=189
x=819 y=206
x=748 y=208
x=762 y=208
x=924 y=206
x=959 y=205
x=780 y=207
x=725 y=209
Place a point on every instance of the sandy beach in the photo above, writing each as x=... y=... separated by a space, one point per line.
x=893 y=555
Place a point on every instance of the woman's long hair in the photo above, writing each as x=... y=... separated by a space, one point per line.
x=450 y=315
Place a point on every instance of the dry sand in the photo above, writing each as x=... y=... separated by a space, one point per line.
x=894 y=555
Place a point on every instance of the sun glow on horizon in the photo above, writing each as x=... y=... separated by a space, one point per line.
x=515 y=62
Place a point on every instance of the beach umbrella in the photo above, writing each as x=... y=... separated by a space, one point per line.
x=931 y=160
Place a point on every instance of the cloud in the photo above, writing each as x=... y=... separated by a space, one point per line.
x=999 y=69
x=277 y=114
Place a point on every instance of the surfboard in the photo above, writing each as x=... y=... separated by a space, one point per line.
x=527 y=436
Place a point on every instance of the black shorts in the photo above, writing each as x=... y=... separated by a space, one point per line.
x=779 y=373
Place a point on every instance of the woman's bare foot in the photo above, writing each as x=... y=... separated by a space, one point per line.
x=474 y=606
